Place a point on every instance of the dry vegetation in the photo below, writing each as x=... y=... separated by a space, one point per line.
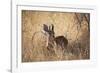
x=74 y=26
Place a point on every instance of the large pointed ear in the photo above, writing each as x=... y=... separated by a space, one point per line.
x=45 y=27
x=49 y=28
x=52 y=27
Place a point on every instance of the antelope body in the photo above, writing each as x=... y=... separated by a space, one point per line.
x=59 y=41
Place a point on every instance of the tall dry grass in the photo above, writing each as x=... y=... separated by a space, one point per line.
x=34 y=41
